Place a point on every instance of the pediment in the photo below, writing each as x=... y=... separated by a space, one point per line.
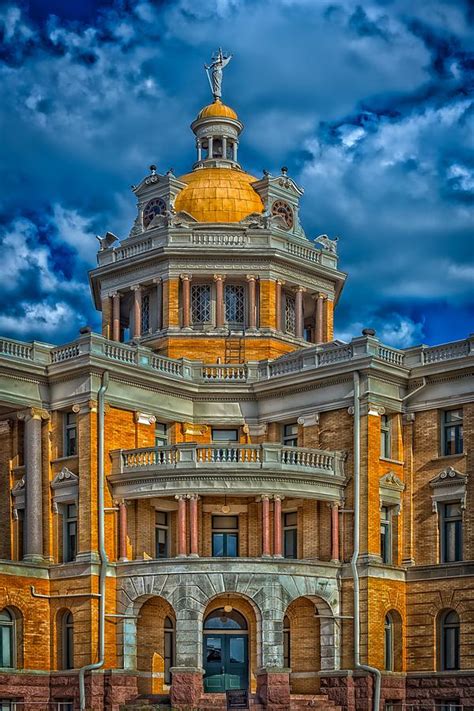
x=64 y=478
x=391 y=481
x=448 y=477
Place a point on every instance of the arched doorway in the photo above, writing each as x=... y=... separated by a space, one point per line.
x=225 y=645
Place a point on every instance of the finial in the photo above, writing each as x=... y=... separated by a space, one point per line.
x=265 y=172
x=170 y=171
x=368 y=332
x=153 y=169
x=218 y=62
x=284 y=170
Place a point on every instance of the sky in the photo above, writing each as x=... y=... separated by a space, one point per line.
x=369 y=104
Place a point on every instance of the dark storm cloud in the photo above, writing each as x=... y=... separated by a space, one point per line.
x=369 y=104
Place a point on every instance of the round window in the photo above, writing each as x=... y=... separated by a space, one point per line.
x=283 y=210
x=152 y=209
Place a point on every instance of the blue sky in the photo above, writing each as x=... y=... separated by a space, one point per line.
x=369 y=104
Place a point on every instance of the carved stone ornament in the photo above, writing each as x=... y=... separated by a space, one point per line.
x=376 y=410
x=255 y=430
x=309 y=420
x=256 y=220
x=18 y=494
x=65 y=486
x=448 y=486
x=329 y=245
x=391 y=489
x=196 y=430
x=141 y=418
x=64 y=478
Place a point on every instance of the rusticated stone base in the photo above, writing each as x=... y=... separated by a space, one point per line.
x=423 y=690
x=105 y=691
x=186 y=687
x=273 y=688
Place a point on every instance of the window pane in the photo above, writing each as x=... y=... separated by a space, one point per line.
x=225 y=435
x=217 y=544
x=237 y=650
x=200 y=303
x=291 y=519
x=161 y=518
x=231 y=544
x=225 y=522
x=290 y=543
x=290 y=317
x=6 y=644
x=234 y=303
x=213 y=649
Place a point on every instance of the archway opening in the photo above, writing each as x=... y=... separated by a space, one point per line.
x=155 y=646
x=302 y=633
x=228 y=645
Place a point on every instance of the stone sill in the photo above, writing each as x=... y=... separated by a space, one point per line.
x=440 y=457
x=392 y=461
x=72 y=457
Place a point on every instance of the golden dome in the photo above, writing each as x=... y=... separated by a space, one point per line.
x=218 y=195
x=217 y=109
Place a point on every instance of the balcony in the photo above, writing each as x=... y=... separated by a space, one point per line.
x=243 y=469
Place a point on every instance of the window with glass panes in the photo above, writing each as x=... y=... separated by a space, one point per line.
x=7 y=639
x=388 y=643
x=169 y=649
x=290 y=314
x=225 y=536
x=386 y=534
x=385 y=437
x=161 y=534
x=290 y=435
x=200 y=303
x=145 y=314
x=286 y=642
x=11 y=705
x=452 y=432
x=70 y=532
x=449 y=642
x=221 y=435
x=68 y=641
x=234 y=303
x=161 y=434
x=290 y=534
x=451 y=532
x=70 y=434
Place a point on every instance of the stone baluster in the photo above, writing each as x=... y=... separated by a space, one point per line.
x=318 y=325
x=220 y=310
x=122 y=531
x=33 y=549
x=299 y=316
x=193 y=525
x=252 y=301
x=186 y=286
x=265 y=526
x=116 y=316
x=182 y=534
x=137 y=310
x=277 y=536
x=334 y=532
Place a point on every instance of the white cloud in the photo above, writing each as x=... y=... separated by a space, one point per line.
x=40 y=317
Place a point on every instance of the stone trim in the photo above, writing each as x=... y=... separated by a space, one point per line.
x=449 y=485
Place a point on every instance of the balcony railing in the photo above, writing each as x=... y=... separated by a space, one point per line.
x=302 y=361
x=229 y=456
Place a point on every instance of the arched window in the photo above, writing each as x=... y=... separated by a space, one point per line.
x=286 y=642
x=168 y=648
x=7 y=639
x=67 y=640
x=448 y=644
x=220 y=619
x=388 y=643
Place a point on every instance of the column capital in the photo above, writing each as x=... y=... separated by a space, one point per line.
x=33 y=413
x=185 y=277
x=219 y=277
x=264 y=497
x=333 y=504
x=194 y=497
x=320 y=295
x=157 y=280
x=281 y=282
x=300 y=289
x=278 y=497
x=251 y=277
x=136 y=287
x=181 y=497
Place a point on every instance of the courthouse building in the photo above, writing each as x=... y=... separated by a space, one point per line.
x=215 y=494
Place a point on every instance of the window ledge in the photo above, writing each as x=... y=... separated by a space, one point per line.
x=440 y=457
x=65 y=459
x=392 y=461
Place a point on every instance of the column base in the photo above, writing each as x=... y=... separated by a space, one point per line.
x=186 y=687
x=193 y=555
x=273 y=687
x=88 y=557
x=34 y=558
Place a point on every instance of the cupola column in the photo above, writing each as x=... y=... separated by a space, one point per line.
x=116 y=316
x=265 y=526
x=224 y=147
x=137 y=311
x=220 y=310
x=211 y=146
x=335 y=532
x=193 y=525
x=277 y=551
x=299 y=311
x=122 y=531
x=159 y=303
x=278 y=320
x=252 y=301
x=199 y=149
x=186 y=292
x=318 y=326
x=182 y=535
x=234 y=151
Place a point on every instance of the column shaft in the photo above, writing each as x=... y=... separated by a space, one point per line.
x=278 y=305
x=220 y=315
x=319 y=319
x=123 y=531
x=137 y=312
x=252 y=302
x=181 y=526
x=265 y=526
x=33 y=550
x=116 y=317
x=299 y=312
x=277 y=548
x=335 y=532
x=186 y=286
x=193 y=525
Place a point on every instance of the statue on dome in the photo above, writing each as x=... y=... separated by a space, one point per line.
x=219 y=61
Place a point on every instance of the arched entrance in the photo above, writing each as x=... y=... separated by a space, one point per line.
x=225 y=645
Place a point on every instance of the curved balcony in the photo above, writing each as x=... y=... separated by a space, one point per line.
x=245 y=469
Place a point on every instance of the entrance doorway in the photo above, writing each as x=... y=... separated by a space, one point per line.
x=225 y=650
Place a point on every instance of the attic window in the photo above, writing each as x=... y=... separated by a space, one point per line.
x=152 y=209
x=280 y=208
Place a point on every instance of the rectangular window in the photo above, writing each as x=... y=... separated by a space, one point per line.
x=234 y=303
x=161 y=534
x=225 y=536
x=70 y=434
x=451 y=532
x=290 y=435
x=386 y=535
x=11 y=705
x=161 y=434
x=70 y=532
x=201 y=303
x=63 y=705
x=219 y=435
x=290 y=315
x=447 y=705
x=452 y=432
x=145 y=315
x=385 y=437
x=290 y=535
